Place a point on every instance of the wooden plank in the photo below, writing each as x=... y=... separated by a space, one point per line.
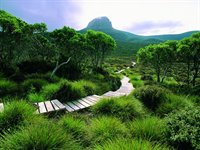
x=83 y=103
x=73 y=106
x=59 y=104
x=97 y=96
x=49 y=106
x=87 y=101
x=42 y=108
x=78 y=104
x=54 y=106
x=68 y=108
x=93 y=98
x=1 y=107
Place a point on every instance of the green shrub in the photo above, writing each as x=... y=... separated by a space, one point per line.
x=173 y=102
x=49 y=90
x=136 y=81
x=76 y=127
x=46 y=76
x=114 y=82
x=34 y=83
x=151 y=96
x=15 y=114
x=105 y=128
x=150 y=128
x=34 y=66
x=36 y=97
x=7 y=87
x=130 y=144
x=88 y=87
x=125 y=108
x=41 y=136
x=183 y=128
x=68 y=91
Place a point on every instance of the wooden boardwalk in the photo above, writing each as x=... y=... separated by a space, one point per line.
x=125 y=89
x=55 y=106
x=49 y=106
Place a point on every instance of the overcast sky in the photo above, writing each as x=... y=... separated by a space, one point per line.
x=144 y=17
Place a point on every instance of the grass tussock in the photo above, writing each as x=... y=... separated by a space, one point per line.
x=130 y=144
x=105 y=128
x=76 y=127
x=174 y=102
x=151 y=96
x=150 y=128
x=125 y=108
x=15 y=114
x=41 y=136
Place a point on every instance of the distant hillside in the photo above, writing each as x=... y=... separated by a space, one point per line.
x=127 y=42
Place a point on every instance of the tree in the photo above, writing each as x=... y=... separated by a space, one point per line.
x=80 y=50
x=195 y=47
x=160 y=57
x=101 y=44
x=61 y=38
x=189 y=53
x=184 y=56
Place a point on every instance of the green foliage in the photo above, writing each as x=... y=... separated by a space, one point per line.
x=105 y=128
x=88 y=87
x=37 y=84
x=41 y=136
x=174 y=102
x=35 y=97
x=68 y=91
x=7 y=87
x=15 y=114
x=34 y=65
x=136 y=80
x=130 y=144
x=125 y=108
x=183 y=128
x=49 y=90
x=150 y=128
x=151 y=96
x=76 y=127
x=100 y=44
x=160 y=57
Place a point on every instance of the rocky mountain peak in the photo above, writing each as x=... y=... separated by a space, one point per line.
x=100 y=23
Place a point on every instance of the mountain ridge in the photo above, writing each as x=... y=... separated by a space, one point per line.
x=128 y=42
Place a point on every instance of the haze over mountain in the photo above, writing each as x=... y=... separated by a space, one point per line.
x=128 y=42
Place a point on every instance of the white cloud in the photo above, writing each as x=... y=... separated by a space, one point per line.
x=124 y=14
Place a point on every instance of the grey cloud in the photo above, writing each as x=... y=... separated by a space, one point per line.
x=147 y=26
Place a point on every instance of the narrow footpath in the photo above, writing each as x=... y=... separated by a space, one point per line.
x=125 y=89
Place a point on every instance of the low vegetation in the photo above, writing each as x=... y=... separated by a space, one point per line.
x=162 y=113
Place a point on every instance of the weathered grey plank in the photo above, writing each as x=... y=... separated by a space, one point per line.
x=73 y=106
x=54 y=106
x=83 y=103
x=42 y=108
x=93 y=98
x=69 y=108
x=49 y=106
x=88 y=101
x=78 y=104
x=59 y=104
x=97 y=96
x=1 y=107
